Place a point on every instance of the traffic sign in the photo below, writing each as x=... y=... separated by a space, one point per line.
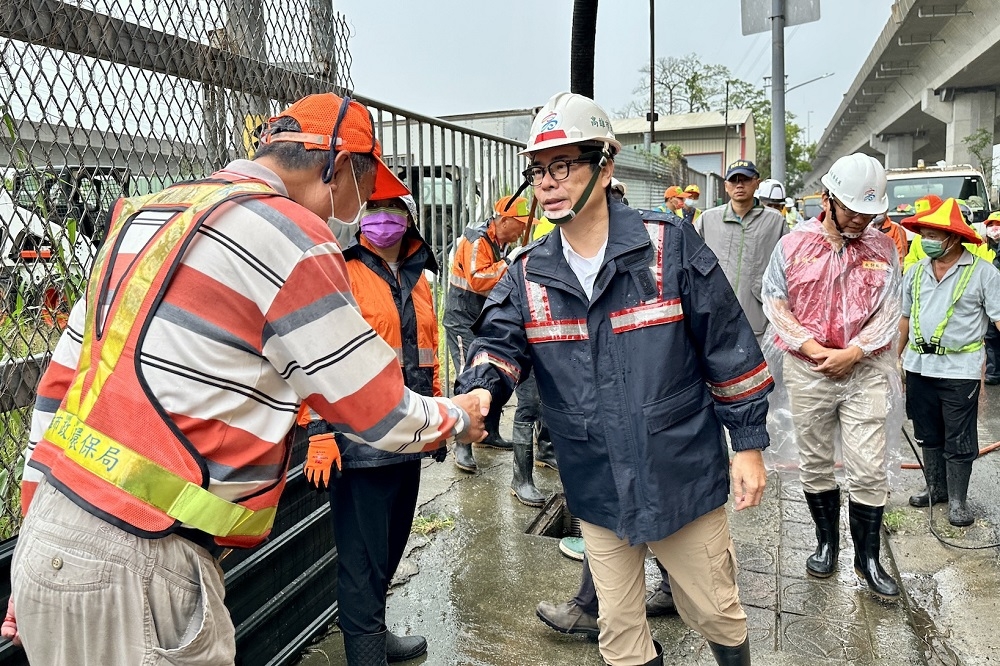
x=756 y=14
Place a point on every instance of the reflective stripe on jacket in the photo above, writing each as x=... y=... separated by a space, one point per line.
x=476 y=268
x=635 y=380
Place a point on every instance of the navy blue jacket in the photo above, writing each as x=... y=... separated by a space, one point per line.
x=635 y=381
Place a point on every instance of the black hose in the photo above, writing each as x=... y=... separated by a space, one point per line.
x=930 y=507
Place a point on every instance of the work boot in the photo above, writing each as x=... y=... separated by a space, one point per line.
x=403 y=648
x=825 y=510
x=738 y=655
x=660 y=602
x=568 y=618
x=464 y=459
x=493 y=439
x=934 y=474
x=545 y=452
x=866 y=531
x=958 y=490
x=523 y=486
x=366 y=649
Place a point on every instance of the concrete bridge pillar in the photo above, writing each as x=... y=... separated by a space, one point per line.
x=964 y=114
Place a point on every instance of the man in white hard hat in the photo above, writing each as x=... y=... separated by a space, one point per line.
x=641 y=354
x=832 y=293
x=771 y=193
x=742 y=233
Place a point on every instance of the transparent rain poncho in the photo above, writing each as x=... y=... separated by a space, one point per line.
x=817 y=287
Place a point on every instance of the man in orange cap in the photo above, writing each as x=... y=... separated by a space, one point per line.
x=950 y=299
x=673 y=202
x=478 y=265
x=229 y=304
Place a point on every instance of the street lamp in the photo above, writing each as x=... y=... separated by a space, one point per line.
x=805 y=83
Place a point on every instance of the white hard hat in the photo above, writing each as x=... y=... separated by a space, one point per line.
x=789 y=202
x=771 y=191
x=618 y=185
x=858 y=182
x=568 y=119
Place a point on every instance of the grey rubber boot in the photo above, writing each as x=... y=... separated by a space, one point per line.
x=825 y=510
x=523 y=486
x=737 y=655
x=958 y=491
x=366 y=649
x=545 y=452
x=464 y=459
x=403 y=648
x=935 y=475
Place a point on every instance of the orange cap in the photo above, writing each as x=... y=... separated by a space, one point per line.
x=516 y=209
x=326 y=117
x=947 y=217
x=676 y=191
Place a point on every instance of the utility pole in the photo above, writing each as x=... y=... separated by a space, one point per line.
x=652 y=82
x=778 y=90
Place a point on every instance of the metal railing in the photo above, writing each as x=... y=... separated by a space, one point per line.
x=102 y=99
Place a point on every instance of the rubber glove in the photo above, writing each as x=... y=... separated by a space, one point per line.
x=323 y=453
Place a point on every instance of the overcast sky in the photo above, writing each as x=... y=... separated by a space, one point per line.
x=440 y=57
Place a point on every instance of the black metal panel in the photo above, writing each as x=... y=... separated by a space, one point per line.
x=280 y=595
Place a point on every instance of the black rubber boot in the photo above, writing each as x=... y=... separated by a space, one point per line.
x=958 y=491
x=825 y=510
x=464 y=459
x=545 y=452
x=934 y=474
x=493 y=439
x=738 y=655
x=403 y=648
x=523 y=486
x=366 y=649
x=866 y=530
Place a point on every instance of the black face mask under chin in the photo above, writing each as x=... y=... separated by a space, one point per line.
x=848 y=237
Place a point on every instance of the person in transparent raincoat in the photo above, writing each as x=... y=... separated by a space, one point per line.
x=832 y=293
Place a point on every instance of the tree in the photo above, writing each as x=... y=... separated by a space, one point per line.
x=687 y=85
x=980 y=146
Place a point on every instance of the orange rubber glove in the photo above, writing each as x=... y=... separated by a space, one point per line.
x=323 y=453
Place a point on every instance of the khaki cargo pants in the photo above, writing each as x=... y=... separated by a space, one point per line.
x=87 y=593
x=701 y=562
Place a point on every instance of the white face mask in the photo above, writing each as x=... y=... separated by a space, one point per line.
x=993 y=233
x=345 y=232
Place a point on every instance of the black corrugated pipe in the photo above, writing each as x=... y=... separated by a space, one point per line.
x=581 y=57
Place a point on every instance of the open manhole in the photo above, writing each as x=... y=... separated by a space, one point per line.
x=554 y=520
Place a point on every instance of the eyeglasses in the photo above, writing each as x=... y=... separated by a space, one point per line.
x=739 y=179
x=558 y=169
x=850 y=213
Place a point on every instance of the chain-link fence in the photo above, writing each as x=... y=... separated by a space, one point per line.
x=102 y=98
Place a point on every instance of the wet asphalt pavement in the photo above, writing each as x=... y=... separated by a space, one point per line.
x=471 y=589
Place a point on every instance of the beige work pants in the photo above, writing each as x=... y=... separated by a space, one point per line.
x=701 y=562
x=858 y=405
x=88 y=593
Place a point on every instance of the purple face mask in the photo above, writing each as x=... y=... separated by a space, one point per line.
x=384 y=227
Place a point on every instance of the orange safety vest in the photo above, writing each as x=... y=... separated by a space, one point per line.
x=110 y=447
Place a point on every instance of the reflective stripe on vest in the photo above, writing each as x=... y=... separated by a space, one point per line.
x=102 y=455
x=157 y=486
x=919 y=345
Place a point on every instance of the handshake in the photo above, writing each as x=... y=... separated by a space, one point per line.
x=476 y=404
